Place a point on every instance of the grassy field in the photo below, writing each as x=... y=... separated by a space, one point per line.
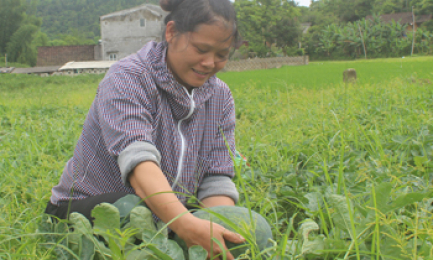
x=340 y=171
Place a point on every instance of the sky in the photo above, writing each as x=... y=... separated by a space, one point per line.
x=303 y=2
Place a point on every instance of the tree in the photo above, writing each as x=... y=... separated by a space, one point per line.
x=266 y=23
x=11 y=16
x=20 y=48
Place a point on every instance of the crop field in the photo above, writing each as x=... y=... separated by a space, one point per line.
x=340 y=171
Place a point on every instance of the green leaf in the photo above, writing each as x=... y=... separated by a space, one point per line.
x=159 y=253
x=313 y=201
x=407 y=199
x=140 y=255
x=314 y=245
x=80 y=223
x=174 y=250
x=197 y=253
x=141 y=219
x=127 y=203
x=161 y=227
x=80 y=241
x=420 y=160
x=101 y=250
x=382 y=194
x=306 y=227
x=341 y=215
x=115 y=248
x=106 y=218
x=88 y=249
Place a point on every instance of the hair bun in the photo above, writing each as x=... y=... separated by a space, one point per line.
x=169 y=5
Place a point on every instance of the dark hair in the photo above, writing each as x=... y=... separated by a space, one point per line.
x=188 y=14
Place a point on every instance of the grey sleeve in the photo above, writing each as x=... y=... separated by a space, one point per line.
x=134 y=154
x=217 y=186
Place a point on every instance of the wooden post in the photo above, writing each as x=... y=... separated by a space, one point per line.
x=349 y=76
x=6 y=60
x=413 y=31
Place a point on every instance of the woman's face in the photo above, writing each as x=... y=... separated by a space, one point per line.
x=194 y=57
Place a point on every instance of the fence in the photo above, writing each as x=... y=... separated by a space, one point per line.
x=265 y=63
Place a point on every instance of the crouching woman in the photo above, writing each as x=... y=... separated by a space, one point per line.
x=162 y=127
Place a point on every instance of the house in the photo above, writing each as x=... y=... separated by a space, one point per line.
x=122 y=33
x=404 y=18
x=125 y=32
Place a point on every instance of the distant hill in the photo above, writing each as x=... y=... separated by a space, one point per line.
x=77 y=16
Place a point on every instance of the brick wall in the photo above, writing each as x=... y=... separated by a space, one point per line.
x=59 y=55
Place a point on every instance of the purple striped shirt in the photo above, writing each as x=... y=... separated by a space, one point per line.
x=140 y=104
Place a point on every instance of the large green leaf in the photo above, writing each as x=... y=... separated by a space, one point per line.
x=382 y=194
x=87 y=249
x=106 y=219
x=141 y=219
x=81 y=240
x=140 y=255
x=174 y=250
x=311 y=242
x=80 y=223
x=197 y=253
x=102 y=252
x=127 y=203
x=407 y=199
x=162 y=255
x=314 y=199
x=341 y=216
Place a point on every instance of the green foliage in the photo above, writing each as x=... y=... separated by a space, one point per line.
x=11 y=13
x=138 y=239
x=20 y=47
x=23 y=36
x=366 y=38
x=339 y=29
x=267 y=23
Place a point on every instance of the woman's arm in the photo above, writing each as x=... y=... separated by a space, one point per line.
x=150 y=184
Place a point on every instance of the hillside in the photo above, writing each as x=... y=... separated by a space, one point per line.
x=77 y=16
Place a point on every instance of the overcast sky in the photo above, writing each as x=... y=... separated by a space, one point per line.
x=303 y=2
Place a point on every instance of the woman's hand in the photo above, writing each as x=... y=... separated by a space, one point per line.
x=195 y=231
x=151 y=185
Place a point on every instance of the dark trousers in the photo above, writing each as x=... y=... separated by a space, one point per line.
x=83 y=206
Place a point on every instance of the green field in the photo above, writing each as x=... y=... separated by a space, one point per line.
x=340 y=171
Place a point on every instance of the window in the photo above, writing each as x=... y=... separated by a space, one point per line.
x=112 y=56
x=142 y=22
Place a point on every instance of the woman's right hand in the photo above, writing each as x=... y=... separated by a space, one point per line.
x=151 y=185
x=195 y=231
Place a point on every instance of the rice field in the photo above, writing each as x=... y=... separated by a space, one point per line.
x=340 y=171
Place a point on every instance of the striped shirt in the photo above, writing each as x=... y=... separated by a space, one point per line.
x=142 y=113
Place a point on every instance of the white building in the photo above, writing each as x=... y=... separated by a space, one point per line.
x=125 y=32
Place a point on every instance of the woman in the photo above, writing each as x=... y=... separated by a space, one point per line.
x=162 y=127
